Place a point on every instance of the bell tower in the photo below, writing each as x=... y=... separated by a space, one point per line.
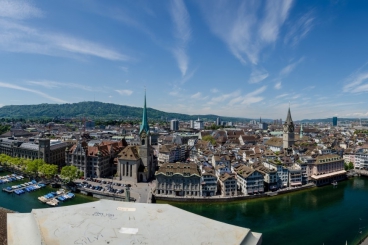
x=145 y=148
x=288 y=133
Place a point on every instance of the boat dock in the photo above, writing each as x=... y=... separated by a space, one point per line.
x=10 y=178
x=23 y=188
x=53 y=198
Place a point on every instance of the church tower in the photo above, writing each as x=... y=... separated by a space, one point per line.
x=145 y=148
x=301 y=131
x=288 y=134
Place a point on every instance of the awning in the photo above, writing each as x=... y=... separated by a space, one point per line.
x=296 y=183
x=322 y=176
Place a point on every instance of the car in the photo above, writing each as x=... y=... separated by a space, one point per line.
x=85 y=182
x=118 y=184
x=103 y=182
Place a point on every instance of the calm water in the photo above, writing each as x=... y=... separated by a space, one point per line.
x=326 y=215
x=28 y=201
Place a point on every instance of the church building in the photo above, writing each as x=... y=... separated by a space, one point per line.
x=136 y=163
x=288 y=134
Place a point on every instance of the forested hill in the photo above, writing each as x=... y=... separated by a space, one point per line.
x=95 y=110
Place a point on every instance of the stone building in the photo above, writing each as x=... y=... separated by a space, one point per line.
x=326 y=168
x=94 y=161
x=52 y=152
x=208 y=182
x=288 y=133
x=249 y=180
x=228 y=184
x=138 y=163
x=179 y=179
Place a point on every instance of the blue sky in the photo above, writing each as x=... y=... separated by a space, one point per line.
x=230 y=58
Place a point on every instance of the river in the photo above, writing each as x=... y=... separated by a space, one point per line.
x=325 y=215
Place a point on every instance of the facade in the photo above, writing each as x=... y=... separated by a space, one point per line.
x=174 y=125
x=288 y=132
x=94 y=161
x=326 y=169
x=52 y=152
x=218 y=121
x=334 y=121
x=228 y=184
x=137 y=163
x=360 y=161
x=249 y=180
x=269 y=178
x=178 y=179
x=295 y=176
x=208 y=182
x=198 y=124
x=172 y=153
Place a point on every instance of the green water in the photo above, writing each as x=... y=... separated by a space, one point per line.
x=325 y=215
x=26 y=202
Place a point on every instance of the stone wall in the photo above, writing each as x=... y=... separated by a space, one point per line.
x=3 y=227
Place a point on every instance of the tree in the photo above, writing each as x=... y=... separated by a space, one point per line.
x=33 y=166
x=69 y=173
x=48 y=170
x=210 y=139
x=351 y=165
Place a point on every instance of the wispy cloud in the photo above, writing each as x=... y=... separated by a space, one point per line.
x=289 y=68
x=277 y=85
x=281 y=96
x=17 y=36
x=196 y=95
x=124 y=91
x=250 y=98
x=214 y=90
x=182 y=33
x=300 y=28
x=358 y=81
x=258 y=75
x=124 y=68
x=17 y=87
x=240 y=27
x=53 y=84
x=18 y=10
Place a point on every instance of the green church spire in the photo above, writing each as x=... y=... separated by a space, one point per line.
x=144 y=125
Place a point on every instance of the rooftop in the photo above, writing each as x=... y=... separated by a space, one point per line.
x=113 y=222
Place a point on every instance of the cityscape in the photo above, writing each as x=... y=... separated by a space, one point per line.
x=183 y=122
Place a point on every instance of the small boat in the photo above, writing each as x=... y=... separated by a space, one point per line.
x=334 y=183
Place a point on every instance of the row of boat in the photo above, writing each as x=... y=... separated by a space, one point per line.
x=53 y=198
x=25 y=189
x=10 y=178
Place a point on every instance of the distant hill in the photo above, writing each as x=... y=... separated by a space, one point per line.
x=96 y=110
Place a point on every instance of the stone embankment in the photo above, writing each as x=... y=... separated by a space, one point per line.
x=3 y=227
x=227 y=199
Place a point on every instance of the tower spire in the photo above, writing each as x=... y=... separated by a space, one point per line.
x=144 y=126
x=288 y=117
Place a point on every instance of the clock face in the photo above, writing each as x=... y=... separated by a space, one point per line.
x=143 y=134
x=291 y=128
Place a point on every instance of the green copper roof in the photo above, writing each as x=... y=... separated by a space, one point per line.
x=144 y=125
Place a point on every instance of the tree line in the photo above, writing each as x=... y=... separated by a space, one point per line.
x=38 y=167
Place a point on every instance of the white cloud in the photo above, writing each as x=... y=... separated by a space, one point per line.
x=300 y=28
x=258 y=75
x=214 y=90
x=240 y=28
x=281 y=96
x=53 y=84
x=124 y=91
x=18 y=9
x=354 y=83
x=196 y=95
x=289 y=68
x=249 y=98
x=277 y=85
x=224 y=97
x=13 y=86
x=16 y=36
x=182 y=33
x=124 y=68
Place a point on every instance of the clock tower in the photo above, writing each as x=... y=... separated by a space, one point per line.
x=288 y=132
x=145 y=147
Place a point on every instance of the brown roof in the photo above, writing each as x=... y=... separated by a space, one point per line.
x=130 y=153
x=277 y=142
x=184 y=169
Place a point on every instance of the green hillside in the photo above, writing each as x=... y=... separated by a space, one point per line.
x=95 y=110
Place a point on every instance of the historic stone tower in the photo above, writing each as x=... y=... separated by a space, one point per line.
x=145 y=148
x=288 y=134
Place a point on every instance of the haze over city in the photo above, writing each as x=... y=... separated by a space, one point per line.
x=230 y=58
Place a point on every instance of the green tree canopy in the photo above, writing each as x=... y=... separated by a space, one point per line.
x=69 y=173
x=48 y=170
x=210 y=139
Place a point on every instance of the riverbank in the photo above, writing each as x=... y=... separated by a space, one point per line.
x=3 y=227
x=219 y=199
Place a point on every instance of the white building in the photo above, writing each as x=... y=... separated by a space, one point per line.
x=174 y=125
x=249 y=180
x=198 y=124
